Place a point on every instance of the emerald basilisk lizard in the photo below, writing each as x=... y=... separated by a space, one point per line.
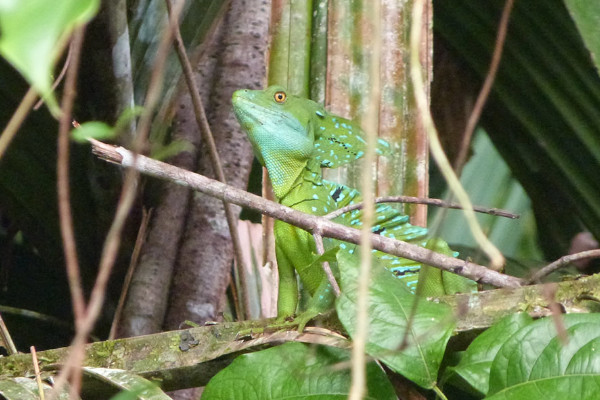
x=294 y=138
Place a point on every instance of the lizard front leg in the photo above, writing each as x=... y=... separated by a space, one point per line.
x=287 y=298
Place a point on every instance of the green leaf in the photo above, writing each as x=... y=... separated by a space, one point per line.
x=542 y=114
x=389 y=309
x=132 y=385
x=533 y=363
x=586 y=15
x=32 y=32
x=474 y=367
x=93 y=129
x=293 y=370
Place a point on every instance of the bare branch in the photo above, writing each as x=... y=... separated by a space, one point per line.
x=561 y=262
x=310 y=223
x=325 y=264
x=418 y=200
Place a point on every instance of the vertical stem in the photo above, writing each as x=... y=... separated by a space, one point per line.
x=370 y=122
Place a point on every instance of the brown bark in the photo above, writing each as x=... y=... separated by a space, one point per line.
x=205 y=257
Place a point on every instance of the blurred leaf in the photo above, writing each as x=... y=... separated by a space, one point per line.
x=293 y=370
x=127 y=116
x=490 y=183
x=94 y=130
x=132 y=385
x=542 y=114
x=33 y=33
x=586 y=15
x=27 y=389
x=389 y=310
x=170 y=150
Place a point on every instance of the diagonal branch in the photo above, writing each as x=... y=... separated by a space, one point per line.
x=310 y=223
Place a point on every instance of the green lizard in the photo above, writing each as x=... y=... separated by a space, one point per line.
x=294 y=138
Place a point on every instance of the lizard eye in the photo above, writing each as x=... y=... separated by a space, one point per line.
x=280 y=97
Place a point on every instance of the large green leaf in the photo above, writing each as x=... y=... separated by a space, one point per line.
x=534 y=363
x=293 y=371
x=32 y=31
x=390 y=304
x=474 y=367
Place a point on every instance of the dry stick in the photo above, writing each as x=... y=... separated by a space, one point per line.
x=6 y=338
x=16 y=120
x=371 y=23
x=62 y=171
x=113 y=238
x=497 y=259
x=64 y=198
x=310 y=223
x=549 y=291
x=208 y=138
x=36 y=369
x=418 y=200
x=137 y=249
x=487 y=86
x=420 y=22
x=561 y=262
x=325 y=264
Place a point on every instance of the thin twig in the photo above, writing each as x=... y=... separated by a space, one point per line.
x=549 y=292
x=38 y=375
x=62 y=171
x=60 y=77
x=6 y=338
x=486 y=88
x=64 y=201
x=16 y=120
x=418 y=200
x=371 y=123
x=307 y=222
x=128 y=194
x=497 y=259
x=325 y=264
x=139 y=241
x=561 y=262
x=209 y=140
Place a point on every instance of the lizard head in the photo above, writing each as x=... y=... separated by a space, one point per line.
x=279 y=126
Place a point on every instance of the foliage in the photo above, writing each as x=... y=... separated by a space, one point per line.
x=310 y=372
x=33 y=34
x=525 y=359
x=407 y=333
x=542 y=113
x=552 y=143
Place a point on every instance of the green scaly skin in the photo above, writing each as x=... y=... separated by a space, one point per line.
x=294 y=138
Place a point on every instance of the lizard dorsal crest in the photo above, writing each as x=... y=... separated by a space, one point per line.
x=339 y=141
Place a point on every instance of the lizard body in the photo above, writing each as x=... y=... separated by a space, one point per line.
x=294 y=138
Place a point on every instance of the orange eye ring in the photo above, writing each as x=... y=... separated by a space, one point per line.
x=280 y=97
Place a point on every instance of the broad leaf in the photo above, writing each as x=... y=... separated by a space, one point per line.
x=390 y=304
x=32 y=32
x=534 y=363
x=474 y=367
x=293 y=370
